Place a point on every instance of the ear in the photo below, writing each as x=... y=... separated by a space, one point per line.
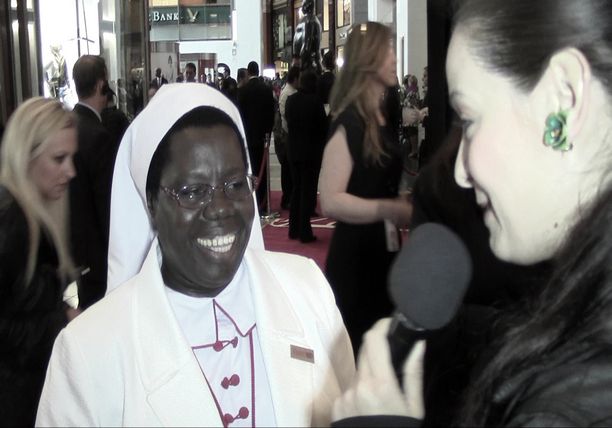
x=99 y=86
x=569 y=75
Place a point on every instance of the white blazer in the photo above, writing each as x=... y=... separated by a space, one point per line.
x=125 y=361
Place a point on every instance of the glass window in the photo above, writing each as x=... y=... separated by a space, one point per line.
x=297 y=14
x=173 y=20
x=325 y=16
x=343 y=13
x=205 y=20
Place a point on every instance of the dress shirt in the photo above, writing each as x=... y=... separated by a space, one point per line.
x=223 y=336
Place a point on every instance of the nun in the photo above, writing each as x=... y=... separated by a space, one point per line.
x=203 y=327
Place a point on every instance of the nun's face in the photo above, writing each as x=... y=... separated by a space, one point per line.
x=202 y=246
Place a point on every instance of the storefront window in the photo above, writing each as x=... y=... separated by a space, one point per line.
x=325 y=7
x=110 y=28
x=297 y=13
x=281 y=34
x=343 y=14
x=205 y=20
x=190 y=20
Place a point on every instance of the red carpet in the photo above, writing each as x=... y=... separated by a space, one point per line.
x=275 y=234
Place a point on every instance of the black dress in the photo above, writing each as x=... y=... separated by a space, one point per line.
x=31 y=316
x=358 y=261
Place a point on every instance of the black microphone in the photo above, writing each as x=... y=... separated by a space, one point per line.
x=427 y=282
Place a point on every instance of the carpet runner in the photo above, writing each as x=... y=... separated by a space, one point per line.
x=276 y=234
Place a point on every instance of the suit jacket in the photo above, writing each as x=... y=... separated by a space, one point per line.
x=126 y=362
x=256 y=105
x=155 y=82
x=90 y=194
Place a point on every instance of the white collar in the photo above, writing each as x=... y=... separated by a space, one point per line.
x=199 y=312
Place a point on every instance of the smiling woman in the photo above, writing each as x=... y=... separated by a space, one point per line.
x=532 y=84
x=209 y=329
x=203 y=242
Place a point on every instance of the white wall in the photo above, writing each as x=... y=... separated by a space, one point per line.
x=382 y=11
x=412 y=25
x=248 y=39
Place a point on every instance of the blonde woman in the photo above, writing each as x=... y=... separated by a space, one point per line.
x=359 y=179
x=35 y=168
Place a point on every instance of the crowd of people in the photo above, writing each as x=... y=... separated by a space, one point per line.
x=183 y=318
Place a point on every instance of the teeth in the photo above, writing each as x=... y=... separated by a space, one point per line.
x=218 y=244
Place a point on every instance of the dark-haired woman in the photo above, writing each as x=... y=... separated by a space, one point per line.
x=208 y=330
x=531 y=84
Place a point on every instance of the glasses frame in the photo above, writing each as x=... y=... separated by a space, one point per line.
x=251 y=179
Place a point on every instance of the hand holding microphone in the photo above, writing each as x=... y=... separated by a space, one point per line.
x=427 y=283
x=375 y=390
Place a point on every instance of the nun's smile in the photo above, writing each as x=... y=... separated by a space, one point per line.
x=202 y=232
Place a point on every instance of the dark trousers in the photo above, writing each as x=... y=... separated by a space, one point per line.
x=256 y=156
x=304 y=175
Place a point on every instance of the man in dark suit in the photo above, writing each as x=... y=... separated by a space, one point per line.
x=307 y=125
x=159 y=79
x=90 y=190
x=256 y=105
x=228 y=86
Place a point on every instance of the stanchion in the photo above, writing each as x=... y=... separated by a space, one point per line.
x=265 y=165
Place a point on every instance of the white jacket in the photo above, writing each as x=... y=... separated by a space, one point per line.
x=125 y=361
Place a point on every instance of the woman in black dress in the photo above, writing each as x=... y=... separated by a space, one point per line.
x=35 y=169
x=359 y=180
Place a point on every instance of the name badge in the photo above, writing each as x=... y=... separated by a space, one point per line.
x=303 y=354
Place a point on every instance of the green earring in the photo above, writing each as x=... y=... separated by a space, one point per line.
x=555 y=135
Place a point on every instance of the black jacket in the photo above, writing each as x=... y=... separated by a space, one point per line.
x=307 y=126
x=574 y=394
x=256 y=104
x=31 y=315
x=90 y=193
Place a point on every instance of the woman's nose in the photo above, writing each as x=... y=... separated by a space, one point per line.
x=70 y=171
x=461 y=173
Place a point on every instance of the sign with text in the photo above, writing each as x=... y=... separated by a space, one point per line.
x=202 y=15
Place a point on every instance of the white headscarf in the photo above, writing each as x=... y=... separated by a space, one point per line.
x=131 y=233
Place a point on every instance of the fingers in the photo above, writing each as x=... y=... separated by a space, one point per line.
x=375 y=389
x=413 y=380
x=344 y=406
x=374 y=349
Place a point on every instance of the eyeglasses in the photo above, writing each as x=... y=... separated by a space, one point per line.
x=198 y=195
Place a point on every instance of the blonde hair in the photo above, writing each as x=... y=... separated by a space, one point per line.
x=364 y=52
x=27 y=133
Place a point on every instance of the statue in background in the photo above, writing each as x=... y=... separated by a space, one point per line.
x=56 y=74
x=307 y=38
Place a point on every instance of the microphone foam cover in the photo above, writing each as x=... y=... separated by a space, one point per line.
x=430 y=275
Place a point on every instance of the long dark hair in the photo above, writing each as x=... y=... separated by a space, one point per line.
x=573 y=314
x=571 y=318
